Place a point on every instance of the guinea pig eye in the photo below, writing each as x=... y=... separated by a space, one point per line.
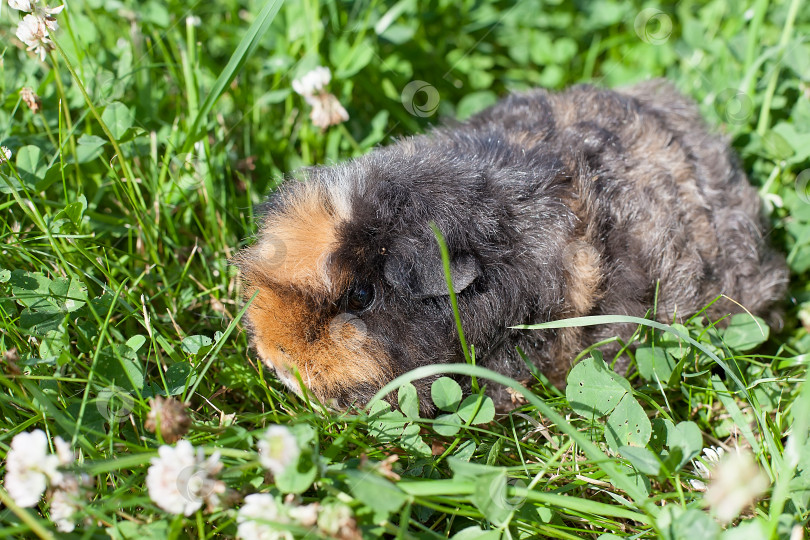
x=359 y=297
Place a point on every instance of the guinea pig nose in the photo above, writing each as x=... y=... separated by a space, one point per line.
x=359 y=297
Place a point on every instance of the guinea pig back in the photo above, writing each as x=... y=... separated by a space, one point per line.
x=560 y=205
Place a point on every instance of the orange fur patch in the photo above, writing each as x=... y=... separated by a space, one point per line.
x=331 y=353
x=295 y=321
x=583 y=276
x=295 y=245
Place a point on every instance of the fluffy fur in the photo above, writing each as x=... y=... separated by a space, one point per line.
x=552 y=205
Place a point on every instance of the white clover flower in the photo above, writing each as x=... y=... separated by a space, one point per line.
x=51 y=24
x=64 y=452
x=5 y=154
x=33 y=31
x=327 y=111
x=33 y=6
x=336 y=521
x=711 y=455
x=29 y=467
x=305 y=515
x=66 y=498
x=69 y=495
x=180 y=479
x=253 y=519
x=63 y=506
x=278 y=449
x=736 y=483
x=31 y=99
x=22 y=5
x=312 y=82
x=66 y=501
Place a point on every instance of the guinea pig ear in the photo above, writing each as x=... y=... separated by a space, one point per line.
x=423 y=277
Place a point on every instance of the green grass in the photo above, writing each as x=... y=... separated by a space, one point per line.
x=136 y=181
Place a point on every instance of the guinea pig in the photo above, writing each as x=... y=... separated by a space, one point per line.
x=553 y=205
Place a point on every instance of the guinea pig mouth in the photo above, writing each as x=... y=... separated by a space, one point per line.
x=289 y=380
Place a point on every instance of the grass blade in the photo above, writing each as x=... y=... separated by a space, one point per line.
x=245 y=49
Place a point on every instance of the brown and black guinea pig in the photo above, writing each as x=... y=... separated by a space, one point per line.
x=553 y=205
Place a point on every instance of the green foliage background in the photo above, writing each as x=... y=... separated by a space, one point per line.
x=157 y=138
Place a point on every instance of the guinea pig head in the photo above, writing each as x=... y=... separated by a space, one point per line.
x=348 y=287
